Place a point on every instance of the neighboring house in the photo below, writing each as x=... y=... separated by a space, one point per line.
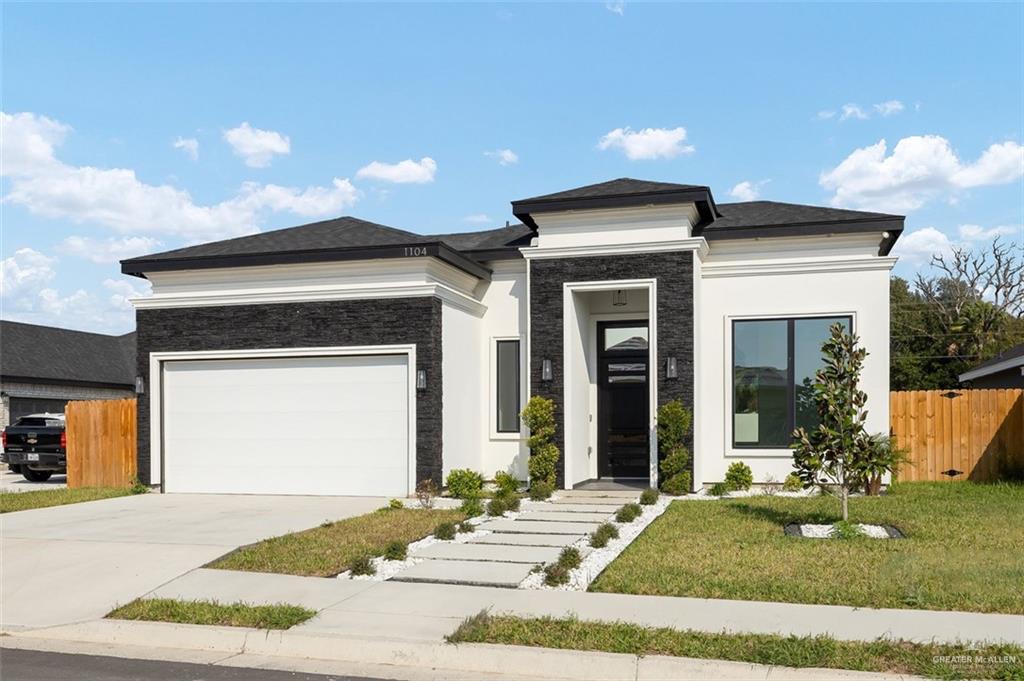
x=1005 y=370
x=346 y=357
x=42 y=368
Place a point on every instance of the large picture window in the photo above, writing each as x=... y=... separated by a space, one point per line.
x=773 y=367
x=507 y=363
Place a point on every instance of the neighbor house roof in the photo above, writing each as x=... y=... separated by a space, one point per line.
x=349 y=238
x=1008 y=359
x=46 y=354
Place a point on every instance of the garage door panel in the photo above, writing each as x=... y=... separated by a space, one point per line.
x=311 y=425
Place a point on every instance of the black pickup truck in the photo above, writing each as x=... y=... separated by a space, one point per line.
x=36 y=446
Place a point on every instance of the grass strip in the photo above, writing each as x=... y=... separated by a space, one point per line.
x=278 y=616
x=896 y=657
x=329 y=549
x=25 y=501
x=962 y=551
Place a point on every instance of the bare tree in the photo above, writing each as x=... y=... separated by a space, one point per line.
x=966 y=279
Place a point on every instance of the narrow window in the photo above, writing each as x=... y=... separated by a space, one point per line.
x=507 y=362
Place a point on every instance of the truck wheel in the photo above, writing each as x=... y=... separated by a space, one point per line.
x=14 y=468
x=35 y=476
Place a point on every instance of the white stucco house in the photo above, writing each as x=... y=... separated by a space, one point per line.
x=346 y=357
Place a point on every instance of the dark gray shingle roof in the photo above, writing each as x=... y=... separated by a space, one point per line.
x=623 y=186
x=765 y=213
x=1014 y=353
x=29 y=351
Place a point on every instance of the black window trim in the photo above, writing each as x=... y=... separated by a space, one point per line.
x=790 y=372
x=498 y=383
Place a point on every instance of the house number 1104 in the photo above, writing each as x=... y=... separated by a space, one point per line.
x=415 y=250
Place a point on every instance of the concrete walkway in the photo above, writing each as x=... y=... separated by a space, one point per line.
x=515 y=546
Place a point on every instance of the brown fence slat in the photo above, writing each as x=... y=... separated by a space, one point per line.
x=101 y=443
x=979 y=432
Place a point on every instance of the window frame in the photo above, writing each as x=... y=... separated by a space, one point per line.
x=498 y=384
x=790 y=374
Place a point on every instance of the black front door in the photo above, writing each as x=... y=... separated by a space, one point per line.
x=623 y=410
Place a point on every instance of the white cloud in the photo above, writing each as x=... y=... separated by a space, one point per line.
x=109 y=250
x=747 y=190
x=403 y=172
x=477 y=219
x=117 y=199
x=505 y=157
x=26 y=271
x=122 y=291
x=852 y=111
x=978 y=233
x=919 y=169
x=646 y=144
x=893 y=106
x=257 y=147
x=826 y=114
x=919 y=246
x=190 y=146
x=616 y=7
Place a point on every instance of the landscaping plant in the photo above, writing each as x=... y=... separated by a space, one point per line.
x=509 y=499
x=539 y=417
x=674 y=421
x=541 y=491
x=649 y=496
x=496 y=507
x=556 y=574
x=362 y=565
x=719 y=489
x=839 y=450
x=445 y=531
x=464 y=483
x=396 y=550
x=792 y=483
x=605 y=532
x=465 y=527
x=506 y=482
x=570 y=558
x=882 y=456
x=395 y=504
x=844 y=529
x=426 y=490
x=471 y=507
x=739 y=477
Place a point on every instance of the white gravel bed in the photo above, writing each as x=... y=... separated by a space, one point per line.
x=825 y=531
x=598 y=559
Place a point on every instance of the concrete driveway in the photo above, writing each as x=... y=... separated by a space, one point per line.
x=16 y=482
x=72 y=563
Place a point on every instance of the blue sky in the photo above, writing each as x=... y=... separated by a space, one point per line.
x=135 y=128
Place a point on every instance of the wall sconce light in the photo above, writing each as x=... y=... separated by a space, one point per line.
x=140 y=385
x=671 y=368
x=619 y=298
x=421 y=379
x=545 y=370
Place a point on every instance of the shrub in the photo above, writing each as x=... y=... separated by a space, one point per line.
x=674 y=421
x=739 y=476
x=570 y=558
x=792 y=483
x=649 y=497
x=678 y=484
x=465 y=527
x=506 y=482
x=139 y=487
x=471 y=507
x=599 y=538
x=719 y=489
x=426 y=490
x=628 y=513
x=881 y=456
x=464 y=483
x=362 y=565
x=540 y=490
x=395 y=504
x=509 y=500
x=844 y=529
x=445 y=531
x=496 y=507
x=539 y=417
x=556 y=574
x=396 y=550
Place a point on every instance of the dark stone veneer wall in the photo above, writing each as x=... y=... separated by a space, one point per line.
x=389 y=321
x=674 y=272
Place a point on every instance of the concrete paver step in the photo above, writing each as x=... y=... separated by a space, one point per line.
x=468 y=572
x=497 y=553
x=507 y=539
x=592 y=494
x=559 y=516
x=612 y=502
x=606 y=509
x=538 y=527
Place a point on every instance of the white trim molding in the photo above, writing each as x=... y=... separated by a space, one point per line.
x=157 y=360
x=689 y=244
x=712 y=270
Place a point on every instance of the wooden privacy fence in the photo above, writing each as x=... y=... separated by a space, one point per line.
x=101 y=443
x=977 y=432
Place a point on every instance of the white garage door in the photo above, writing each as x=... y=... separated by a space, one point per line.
x=298 y=425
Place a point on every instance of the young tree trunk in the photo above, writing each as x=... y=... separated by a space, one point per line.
x=844 y=492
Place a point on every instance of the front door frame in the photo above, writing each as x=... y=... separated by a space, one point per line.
x=602 y=359
x=573 y=401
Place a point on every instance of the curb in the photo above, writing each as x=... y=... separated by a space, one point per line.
x=465 y=657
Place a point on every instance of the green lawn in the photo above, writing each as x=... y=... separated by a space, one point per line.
x=278 y=616
x=24 y=501
x=327 y=550
x=963 y=551
x=897 y=657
